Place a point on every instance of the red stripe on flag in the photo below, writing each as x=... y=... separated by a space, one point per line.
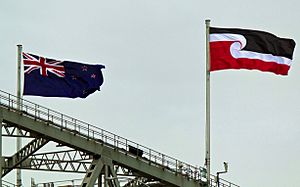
x=222 y=59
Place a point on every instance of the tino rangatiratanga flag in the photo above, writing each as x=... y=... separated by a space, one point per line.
x=53 y=78
x=249 y=49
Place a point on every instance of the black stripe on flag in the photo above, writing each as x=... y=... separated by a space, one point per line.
x=261 y=42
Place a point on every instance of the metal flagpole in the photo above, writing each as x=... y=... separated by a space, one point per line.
x=207 y=103
x=19 y=142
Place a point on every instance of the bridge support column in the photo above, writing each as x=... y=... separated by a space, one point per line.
x=92 y=173
x=1 y=158
x=101 y=167
x=100 y=181
x=106 y=176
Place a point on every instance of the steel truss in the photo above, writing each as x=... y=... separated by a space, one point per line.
x=13 y=161
x=104 y=157
x=98 y=169
x=12 y=131
x=64 y=161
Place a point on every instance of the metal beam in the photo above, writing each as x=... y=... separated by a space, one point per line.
x=64 y=161
x=12 y=131
x=1 y=158
x=138 y=160
x=93 y=173
x=22 y=154
x=77 y=141
x=111 y=172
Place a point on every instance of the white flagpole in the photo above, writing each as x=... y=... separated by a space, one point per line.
x=207 y=96
x=19 y=141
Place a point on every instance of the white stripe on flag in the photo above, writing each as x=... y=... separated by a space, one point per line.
x=240 y=42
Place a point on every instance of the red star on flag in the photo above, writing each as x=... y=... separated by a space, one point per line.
x=93 y=76
x=84 y=68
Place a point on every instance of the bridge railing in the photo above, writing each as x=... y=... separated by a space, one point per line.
x=7 y=184
x=91 y=132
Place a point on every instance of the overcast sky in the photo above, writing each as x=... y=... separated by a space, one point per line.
x=154 y=89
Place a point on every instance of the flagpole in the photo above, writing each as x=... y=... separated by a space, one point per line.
x=207 y=104
x=19 y=141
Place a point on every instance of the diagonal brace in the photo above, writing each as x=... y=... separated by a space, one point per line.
x=23 y=154
x=93 y=173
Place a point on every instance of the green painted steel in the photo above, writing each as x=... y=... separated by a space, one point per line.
x=81 y=136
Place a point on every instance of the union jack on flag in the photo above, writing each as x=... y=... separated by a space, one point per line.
x=60 y=78
x=45 y=65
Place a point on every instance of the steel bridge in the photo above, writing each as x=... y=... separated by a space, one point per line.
x=104 y=158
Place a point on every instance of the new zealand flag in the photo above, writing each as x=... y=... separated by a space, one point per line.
x=52 y=78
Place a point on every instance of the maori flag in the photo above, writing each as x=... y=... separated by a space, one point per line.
x=249 y=49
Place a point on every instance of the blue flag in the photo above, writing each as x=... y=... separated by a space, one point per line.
x=53 y=78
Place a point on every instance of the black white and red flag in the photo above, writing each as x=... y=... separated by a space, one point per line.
x=249 y=49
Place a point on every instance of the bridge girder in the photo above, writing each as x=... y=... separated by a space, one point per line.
x=108 y=153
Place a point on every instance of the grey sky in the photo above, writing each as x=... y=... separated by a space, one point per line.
x=153 y=94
